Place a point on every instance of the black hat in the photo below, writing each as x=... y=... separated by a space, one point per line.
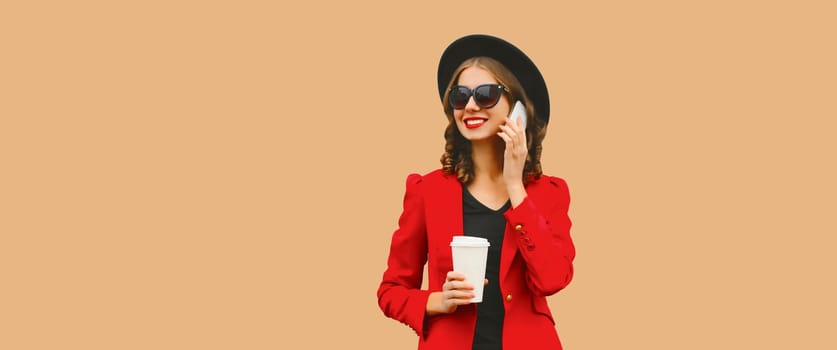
x=510 y=56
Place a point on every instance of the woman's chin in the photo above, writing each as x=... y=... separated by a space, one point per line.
x=480 y=134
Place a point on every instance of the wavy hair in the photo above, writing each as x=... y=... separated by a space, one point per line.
x=457 y=156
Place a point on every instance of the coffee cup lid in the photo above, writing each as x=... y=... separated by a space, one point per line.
x=468 y=241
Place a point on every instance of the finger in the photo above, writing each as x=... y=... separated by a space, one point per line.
x=508 y=132
x=457 y=285
x=514 y=137
x=455 y=276
x=509 y=128
x=458 y=295
x=485 y=282
x=451 y=285
x=515 y=141
x=517 y=134
x=517 y=126
x=514 y=125
x=460 y=302
x=505 y=138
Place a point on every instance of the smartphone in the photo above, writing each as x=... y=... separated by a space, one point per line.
x=518 y=112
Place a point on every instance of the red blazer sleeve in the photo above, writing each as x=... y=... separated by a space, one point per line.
x=541 y=229
x=399 y=295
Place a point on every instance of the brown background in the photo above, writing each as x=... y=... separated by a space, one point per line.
x=202 y=175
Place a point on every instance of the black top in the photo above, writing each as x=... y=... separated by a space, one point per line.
x=481 y=221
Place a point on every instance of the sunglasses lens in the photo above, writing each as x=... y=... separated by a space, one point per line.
x=459 y=96
x=487 y=95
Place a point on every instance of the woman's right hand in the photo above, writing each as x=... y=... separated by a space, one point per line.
x=454 y=292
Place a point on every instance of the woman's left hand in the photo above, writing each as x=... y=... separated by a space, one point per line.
x=516 y=151
x=514 y=159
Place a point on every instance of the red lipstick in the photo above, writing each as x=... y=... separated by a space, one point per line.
x=474 y=122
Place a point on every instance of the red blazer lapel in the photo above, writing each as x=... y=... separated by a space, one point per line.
x=508 y=252
x=443 y=205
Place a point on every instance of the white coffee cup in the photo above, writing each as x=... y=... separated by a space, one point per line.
x=470 y=255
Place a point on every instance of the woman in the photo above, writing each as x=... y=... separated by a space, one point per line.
x=490 y=185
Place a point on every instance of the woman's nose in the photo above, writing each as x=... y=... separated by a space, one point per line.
x=472 y=105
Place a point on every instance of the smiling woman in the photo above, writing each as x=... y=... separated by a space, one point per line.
x=456 y=158
x=490 y=186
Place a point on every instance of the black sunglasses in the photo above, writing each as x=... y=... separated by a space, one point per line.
x=485 y=95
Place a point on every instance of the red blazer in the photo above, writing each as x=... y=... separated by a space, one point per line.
x=536 y=261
